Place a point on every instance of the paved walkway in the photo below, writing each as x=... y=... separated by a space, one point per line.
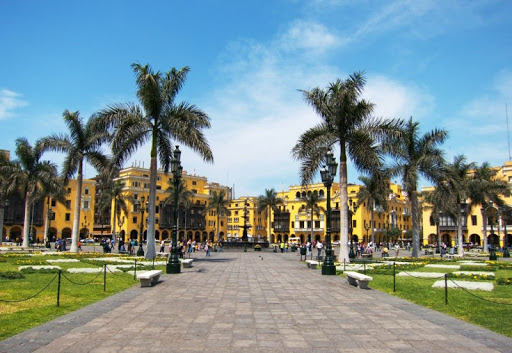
x=254 y=302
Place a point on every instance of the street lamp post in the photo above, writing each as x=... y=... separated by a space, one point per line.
x=174 y=266
x=245 y=238
x=490 y=212
x=140 y=251
x=351 y=253
x=328 y=173
x=367 y=228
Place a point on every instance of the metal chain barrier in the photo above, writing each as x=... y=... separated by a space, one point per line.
x=82 y=284
x=35 y=295
x=474 y=295
x=115 y=274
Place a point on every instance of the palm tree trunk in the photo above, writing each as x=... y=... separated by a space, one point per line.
x=26 y=221
x=343 y=207
x=268 y=223
x=150 y=246
x=311 y=224
x=46 y=222
x=459 y=231
x=114 y=214
x=76 y=216
x=415 y=224
x=2 y=210
x=484 y=226
x=373 y=228
x=218 y=225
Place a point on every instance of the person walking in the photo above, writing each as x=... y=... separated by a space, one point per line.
x=162 y=246
x=319 y=247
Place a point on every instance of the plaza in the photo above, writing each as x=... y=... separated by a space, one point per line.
x=238 y=301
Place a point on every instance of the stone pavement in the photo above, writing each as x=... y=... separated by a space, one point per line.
x=254 y=302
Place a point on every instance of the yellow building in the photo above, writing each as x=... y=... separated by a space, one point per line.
x=499 y=232
x=243 y=213
x=294 y=218
x=60 y=223
x=194 y=221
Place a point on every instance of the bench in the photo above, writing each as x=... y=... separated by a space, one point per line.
x=149 y=278
x=164 y=254
x=453 y=256
x=124 y=252
x=186 y=262
x=312 y=264
x=368 y=256
x=356 y=278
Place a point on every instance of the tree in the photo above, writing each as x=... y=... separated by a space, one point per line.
x=347 y=124
x=82 y=144
x=456 y=183
x=311 y=203
x=441 y=202
x=415 y=156
x=269 y=202
x=4 y=162
x=218 y=202
x=375 y=191
x=485 y=190
x=184 y=197
x=118 y=196
x=28 y=175
x=53 y=190
x=159 y=120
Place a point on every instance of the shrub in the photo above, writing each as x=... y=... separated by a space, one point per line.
x=11 y=275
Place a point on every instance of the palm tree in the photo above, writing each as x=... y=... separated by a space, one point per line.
x=53 y=190
x=375 y=191
x=415 y=156
x=184 y=197
x=269 y=202
x=346 y=123
x=218 y=202
x=311 y=203
x=441 y=202
x=160 y=121
x=4 y=161
x=485 y=190
x=118 y=196
x=456 y=181
x=28 y=175
x=82 y=144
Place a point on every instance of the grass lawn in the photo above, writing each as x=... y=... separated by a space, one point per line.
x=16 y=317
x=491 y=310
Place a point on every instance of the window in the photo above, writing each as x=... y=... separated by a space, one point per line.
x=53 y=203
x=157 y=209
x=236 y=219
x=301 y=224
x=194 y=182
x=68 y=190
x=68 y=204
x=86 y=191
x=354 y=223
x=473 y=220
x=135 y=196
x=222 y=223
x=158 y=187
x=317 y=224
x=293 y=224
x=134 y=220
x=194 y=191
x=86 y=205
x=68 y=217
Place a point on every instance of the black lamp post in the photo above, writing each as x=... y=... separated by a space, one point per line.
x=328 y=173
x=351 y=253
x=244 y=233
x=367 y=228
x=491 y=211
x=140 y=251
x=174 y=266
x=51 y=215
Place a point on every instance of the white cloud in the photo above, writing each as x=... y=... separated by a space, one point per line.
x=310 y=36
x=394 y=99
x=10 y=101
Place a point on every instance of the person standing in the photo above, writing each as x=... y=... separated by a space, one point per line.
x=162 y=246
x=319 y=247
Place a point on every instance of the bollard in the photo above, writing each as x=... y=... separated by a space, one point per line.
x=364 y=267
x=446 y=289
x=135 y=271
x=58 y=289
x=394 y=277
x=105 y=277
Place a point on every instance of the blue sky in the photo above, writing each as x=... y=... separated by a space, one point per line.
x=448 y=64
